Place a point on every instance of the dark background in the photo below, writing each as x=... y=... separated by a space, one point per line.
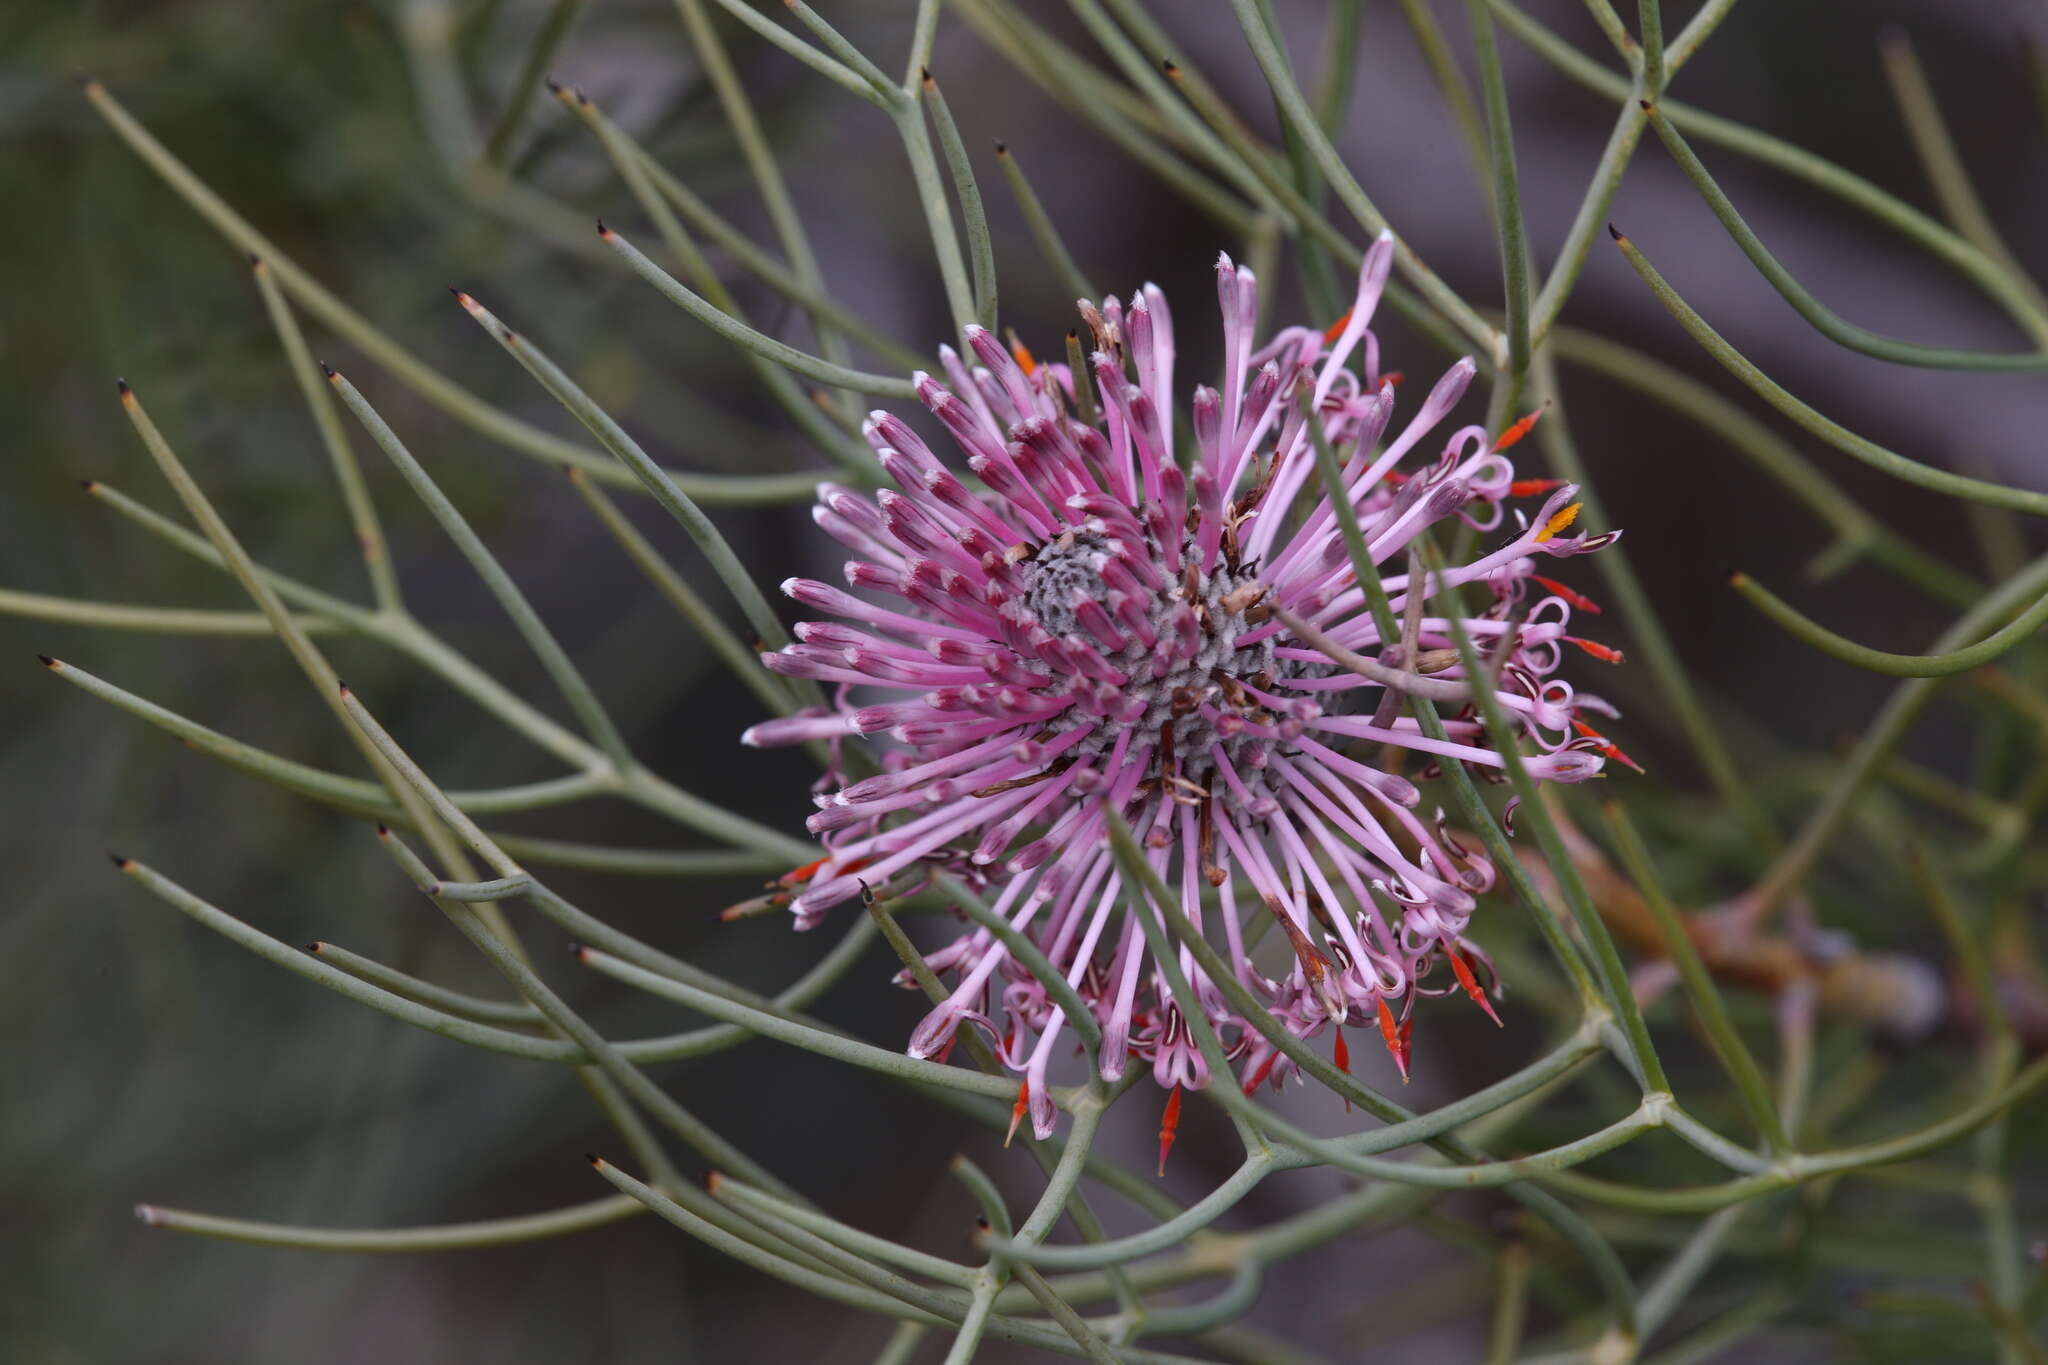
x=146 y=1060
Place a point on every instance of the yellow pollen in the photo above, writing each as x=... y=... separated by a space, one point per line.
x=1559 y=522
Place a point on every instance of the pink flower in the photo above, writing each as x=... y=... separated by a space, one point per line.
x=1103 y=629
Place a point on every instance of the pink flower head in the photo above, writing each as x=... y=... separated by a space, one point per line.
x=1097 y=627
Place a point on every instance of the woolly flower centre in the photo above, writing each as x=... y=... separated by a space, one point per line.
x=1195 y=684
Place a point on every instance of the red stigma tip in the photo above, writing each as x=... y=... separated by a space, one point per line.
x=1017 y=1111
x=1395 y=1036
x=1461 y=967
x=1265 y=1068
x=1529 y=488
x=1607 y=746
x=1341 y=1050
x=797 y=876
x=1577 y=600
x=1604 y=653
x=1336 y=329
x=1169 y=1126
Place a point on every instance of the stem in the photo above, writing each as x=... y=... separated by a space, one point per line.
x=1942 y=665
x=491 y=1232
x=1836 y=435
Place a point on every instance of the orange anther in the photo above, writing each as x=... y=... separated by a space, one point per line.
x=1517 y=431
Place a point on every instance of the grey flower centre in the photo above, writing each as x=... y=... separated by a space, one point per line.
x=1188 y=681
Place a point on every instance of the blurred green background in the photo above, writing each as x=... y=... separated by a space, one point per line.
x=148 y=1061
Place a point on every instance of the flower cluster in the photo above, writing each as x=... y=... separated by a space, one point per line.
x=1102 y=627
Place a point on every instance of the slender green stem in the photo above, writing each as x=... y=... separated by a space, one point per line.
x=981 y=252
x=1228 y=1193
x=1019 y=945
x=1607 y=1267
x=1824 y=319
x=1771 y=453
x=1043 y=232
x=1939 y=159
x=355 y=495
x=1963 y=941
x=1986 y=273
x=568 y=679
x=1987 y=650
x=398 y=631
x=1060 y=1311
x=1536 y=815
x=490 y=1232
x=641 y=862
x=154 y=620
x=757 y=1203
x=1836 y=435
x=1466 y=794
x=903 y=1344
x=672 y=498
x=759 y=156
x=1142 y=69
x=830 y=67
x=731 y=239
x=745 y=337
x=1273 y=64
x=705 y=624
x=426 y=992
x=814 y=420
x=1706 y=999
x=1668 y=1289
x=938 y=215
x=845 y=50
x=1107 y=106
x=1510 y=1303
x=1586 y=223
x=694 y=1132
x=1798 y=1169
x=1450 y=80
x=1650 y=20
x=698 y=1223
x=993 y=1210
x=403 y=365
x=781 y=1030
x=471 y=893
x=547 y=39
x=303 y=651
x=1899 y=712
x=1645 y=623
x=1510 y=231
